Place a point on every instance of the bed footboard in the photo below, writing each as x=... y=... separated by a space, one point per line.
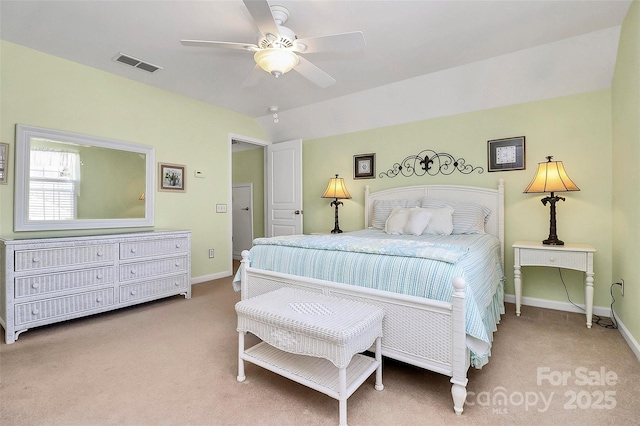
x=426 y=333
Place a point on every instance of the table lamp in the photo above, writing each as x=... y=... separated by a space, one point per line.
x=551 y=177
x=336 y=189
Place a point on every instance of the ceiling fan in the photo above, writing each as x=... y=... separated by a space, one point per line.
x=278 y=48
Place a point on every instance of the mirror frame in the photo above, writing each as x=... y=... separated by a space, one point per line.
x=21 y=196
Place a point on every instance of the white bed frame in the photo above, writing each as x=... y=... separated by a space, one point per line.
x=436 y=338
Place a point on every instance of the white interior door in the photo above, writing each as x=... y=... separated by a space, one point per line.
x=242 y=212
x=284 y=188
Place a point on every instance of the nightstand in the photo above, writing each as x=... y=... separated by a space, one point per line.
x=569 y=256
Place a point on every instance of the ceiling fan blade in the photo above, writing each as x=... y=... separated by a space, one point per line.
x=314 y=74
x=253 y=77
x=224 y=44
x=261 y=14
x=332 y=43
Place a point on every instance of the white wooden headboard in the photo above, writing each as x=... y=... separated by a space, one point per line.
x=491 y=198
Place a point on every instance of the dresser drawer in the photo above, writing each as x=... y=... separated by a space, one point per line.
x=138 y=249
x=559 y=259
x=138 y=270
x=159 y=286
x=26 y=260
x=63 y=306
x=43 y=284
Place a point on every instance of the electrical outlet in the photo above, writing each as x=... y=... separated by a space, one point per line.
x=211 y=253
x=621 y=287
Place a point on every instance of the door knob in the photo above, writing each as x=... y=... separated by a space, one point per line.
x=246 y=208
x=298 y=212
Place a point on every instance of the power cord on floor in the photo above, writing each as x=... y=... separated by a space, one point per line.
x=604 y=323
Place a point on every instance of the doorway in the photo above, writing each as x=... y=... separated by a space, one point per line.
x=242 y=212
x=247 y=167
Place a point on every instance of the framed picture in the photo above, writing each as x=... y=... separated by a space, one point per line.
x=364 y=166
x=506 y=154
x=171 y=177
x=4 y=162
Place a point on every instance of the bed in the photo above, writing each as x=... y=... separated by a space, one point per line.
x=442 y=294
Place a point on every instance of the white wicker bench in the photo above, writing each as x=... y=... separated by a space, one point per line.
x=306 y=335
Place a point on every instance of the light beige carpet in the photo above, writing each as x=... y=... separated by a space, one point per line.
x=174 y=362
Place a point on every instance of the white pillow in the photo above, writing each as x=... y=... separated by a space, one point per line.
x=382 y=210
x=467 y=218
x=441 y=222
x=396 y=221
x=418 y=221
x=407 y=221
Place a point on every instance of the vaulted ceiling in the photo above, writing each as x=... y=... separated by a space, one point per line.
x=422 y=58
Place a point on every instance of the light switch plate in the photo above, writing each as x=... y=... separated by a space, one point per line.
x=221 y=208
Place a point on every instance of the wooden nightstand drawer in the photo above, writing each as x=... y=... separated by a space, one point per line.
x=560 y=259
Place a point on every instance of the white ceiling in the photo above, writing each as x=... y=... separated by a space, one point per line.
x=415 y=51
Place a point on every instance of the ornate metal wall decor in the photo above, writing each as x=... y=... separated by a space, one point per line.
x=432 y=163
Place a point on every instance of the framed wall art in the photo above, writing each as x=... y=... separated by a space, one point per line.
x=364 y=166
x=172 y=177
x=506 y=154
x=4 y=162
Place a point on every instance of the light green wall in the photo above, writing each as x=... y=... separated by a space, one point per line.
x=45 y=91
x=575 y=129
x=626 y=175
x=248 y=167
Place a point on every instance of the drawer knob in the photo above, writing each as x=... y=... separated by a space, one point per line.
x=99 y=276
x=552 y=259
x=99 y=254
x=133 y=292
x=35 y=285
x=99 y=299
x=133 y=250
x=35 y=311
x=178 y=245
x=177 y=284
x=178 y=264
x=133 y=271
x=36 y=259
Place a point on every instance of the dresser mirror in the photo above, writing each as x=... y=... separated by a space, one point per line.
x=70 y=181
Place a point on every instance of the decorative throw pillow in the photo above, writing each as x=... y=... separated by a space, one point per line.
x=441 y=222
x=407 y=221
x=382 y=210
x=396 y=221
x=467 y=218
x=418 y=221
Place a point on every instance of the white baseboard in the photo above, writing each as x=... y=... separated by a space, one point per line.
x=603 y=311
x=210 y=277
x=633 y=343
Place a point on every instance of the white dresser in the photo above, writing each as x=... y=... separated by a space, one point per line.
x=47 y=280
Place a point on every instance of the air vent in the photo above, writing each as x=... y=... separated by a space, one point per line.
x=135 y=62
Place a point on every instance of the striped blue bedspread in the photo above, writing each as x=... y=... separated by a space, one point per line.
x=422 y=266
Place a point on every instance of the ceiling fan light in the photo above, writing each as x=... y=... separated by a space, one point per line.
x=276 y=61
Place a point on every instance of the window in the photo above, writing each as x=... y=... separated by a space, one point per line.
x=54 y=184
